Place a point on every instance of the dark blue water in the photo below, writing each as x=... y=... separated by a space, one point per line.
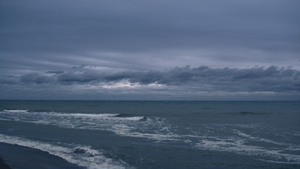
x=157 y=134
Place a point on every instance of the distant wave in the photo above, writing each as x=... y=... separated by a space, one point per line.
x=16 y=111
x=107 y=116
x=249 y=113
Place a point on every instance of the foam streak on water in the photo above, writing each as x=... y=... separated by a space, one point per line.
x=245 y=144
x=83 y=156
x=120 y=124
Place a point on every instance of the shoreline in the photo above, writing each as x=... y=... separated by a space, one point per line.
x=3 y=165
x=19 y=157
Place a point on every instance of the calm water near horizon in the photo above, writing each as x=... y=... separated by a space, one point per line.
x=157 y=134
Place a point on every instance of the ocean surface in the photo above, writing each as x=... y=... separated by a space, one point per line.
x=154 y=134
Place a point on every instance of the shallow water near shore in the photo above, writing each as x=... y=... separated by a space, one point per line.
x=156 y=134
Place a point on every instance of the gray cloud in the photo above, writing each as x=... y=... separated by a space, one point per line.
x=203 y=78
x=35 y=78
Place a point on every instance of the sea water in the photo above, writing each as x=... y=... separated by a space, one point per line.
x=157 y=134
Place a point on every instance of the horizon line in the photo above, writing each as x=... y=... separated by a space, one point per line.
x=149 y=100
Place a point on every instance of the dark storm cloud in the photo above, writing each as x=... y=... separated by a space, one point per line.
x=203 y=78
x=226 y=79
x=85 y=77
x=35 y=78
x=55 y=72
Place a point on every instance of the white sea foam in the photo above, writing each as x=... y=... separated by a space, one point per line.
x=84 y=115
x=241 y=147
x=104 y=116
x=16 y=111
x=4 y=119
x=120 y=124
x=248 y=140
x=125 y=130
x=80 y=155
x=240 y=133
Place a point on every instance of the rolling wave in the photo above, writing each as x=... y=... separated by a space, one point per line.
x=121 y=124
x=80 y=155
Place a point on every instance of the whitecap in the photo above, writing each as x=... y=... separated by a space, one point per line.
x=16 y=111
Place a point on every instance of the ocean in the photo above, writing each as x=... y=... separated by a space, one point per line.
x=150 y=134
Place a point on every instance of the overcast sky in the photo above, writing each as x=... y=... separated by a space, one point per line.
x=149 y=50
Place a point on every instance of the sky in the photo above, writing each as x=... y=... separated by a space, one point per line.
x=150 y=50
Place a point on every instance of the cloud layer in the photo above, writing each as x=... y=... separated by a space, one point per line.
x=214 y=33
x=238 y=49
x=181 y=80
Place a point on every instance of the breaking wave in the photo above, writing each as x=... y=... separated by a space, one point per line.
x=121 y=124
x=80 y=155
